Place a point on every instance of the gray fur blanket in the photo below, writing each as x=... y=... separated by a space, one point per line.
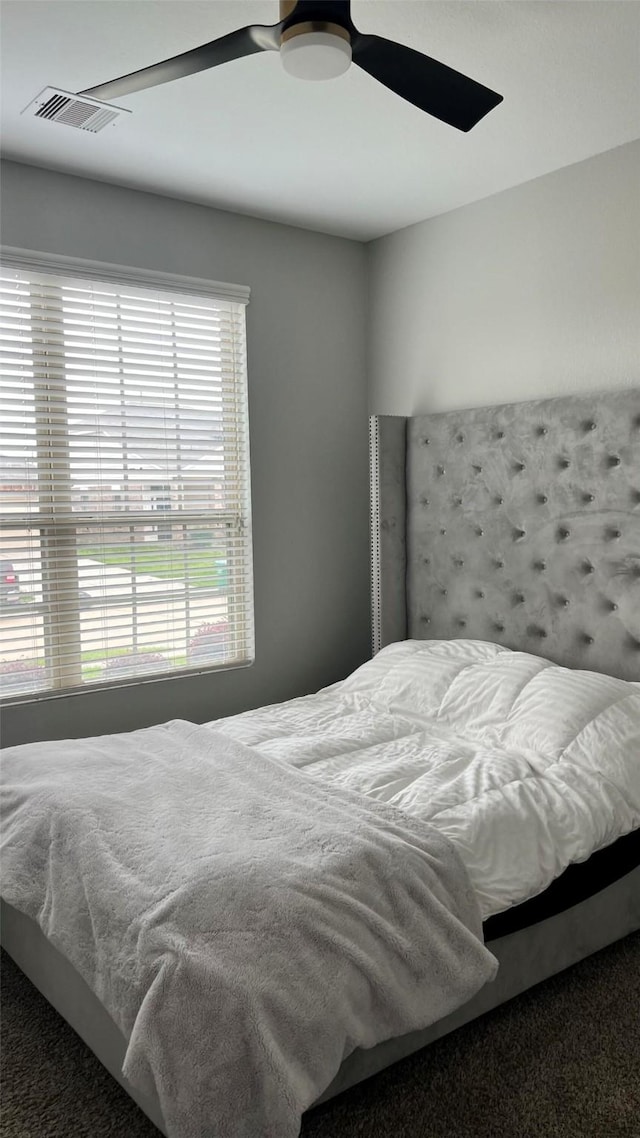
x=245 y=926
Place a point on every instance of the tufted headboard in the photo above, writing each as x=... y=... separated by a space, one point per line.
x=518 y=524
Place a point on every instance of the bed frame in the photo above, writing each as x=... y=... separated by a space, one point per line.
x=517 y=524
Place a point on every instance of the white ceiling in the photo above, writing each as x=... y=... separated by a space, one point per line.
x=347 y=156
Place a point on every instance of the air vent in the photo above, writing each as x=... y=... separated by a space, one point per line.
x=74 y=110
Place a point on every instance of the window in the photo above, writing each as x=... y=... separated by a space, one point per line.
x=124 y=477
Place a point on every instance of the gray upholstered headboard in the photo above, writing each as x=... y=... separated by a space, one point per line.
x=518 y=524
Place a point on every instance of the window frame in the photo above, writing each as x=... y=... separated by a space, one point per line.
x=50 y=526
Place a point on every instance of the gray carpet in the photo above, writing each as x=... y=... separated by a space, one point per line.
x=562 y=1061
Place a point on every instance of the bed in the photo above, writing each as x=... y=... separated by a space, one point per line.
x=506 y=558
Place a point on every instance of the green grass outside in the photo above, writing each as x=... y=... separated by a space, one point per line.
x=201 y=567
x=111 y=653
x=93 y=660
x=92 y=654
x=94 y=672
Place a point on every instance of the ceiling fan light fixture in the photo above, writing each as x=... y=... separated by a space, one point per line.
x=316 y=55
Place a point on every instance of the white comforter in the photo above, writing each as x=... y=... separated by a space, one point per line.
x=525 y=766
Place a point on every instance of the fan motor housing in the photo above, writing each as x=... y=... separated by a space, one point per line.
x=298 y=17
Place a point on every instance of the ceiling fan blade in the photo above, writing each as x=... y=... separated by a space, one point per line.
x=433 y=87
x=244 y=41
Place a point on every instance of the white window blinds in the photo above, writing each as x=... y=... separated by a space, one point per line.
x=124 y=482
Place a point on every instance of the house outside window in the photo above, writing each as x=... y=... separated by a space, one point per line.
x=124 y=476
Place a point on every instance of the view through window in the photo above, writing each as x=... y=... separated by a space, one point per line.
x=125 y=548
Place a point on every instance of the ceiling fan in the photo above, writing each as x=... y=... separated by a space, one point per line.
x=317 y=39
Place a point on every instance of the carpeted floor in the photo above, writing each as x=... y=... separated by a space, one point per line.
x=562 y=1061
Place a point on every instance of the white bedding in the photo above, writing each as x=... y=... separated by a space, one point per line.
x=245 y=927
x=527 y=767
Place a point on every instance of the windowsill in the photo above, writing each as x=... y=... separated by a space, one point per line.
x=134 y=681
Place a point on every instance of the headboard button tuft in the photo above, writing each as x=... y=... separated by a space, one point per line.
x=542 y=498
x=588 y=497
x=613 y=460
x=540 y=566
x=563 y=533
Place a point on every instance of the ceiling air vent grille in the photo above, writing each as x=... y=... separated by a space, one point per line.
x=73 y=110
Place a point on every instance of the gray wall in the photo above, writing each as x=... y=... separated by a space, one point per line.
x=307 y=405
x=530 y=293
